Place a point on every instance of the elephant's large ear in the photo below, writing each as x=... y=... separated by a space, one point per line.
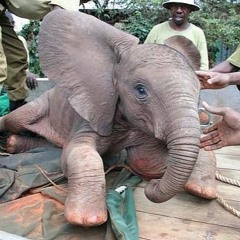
x=78 y=52
x=185 y=47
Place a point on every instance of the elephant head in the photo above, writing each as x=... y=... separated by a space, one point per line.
x=154 y=86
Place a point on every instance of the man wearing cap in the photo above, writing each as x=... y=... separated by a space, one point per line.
x=178 y=25
x=13 y=56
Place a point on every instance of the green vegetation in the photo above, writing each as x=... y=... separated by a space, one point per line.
x=220 y=20
x=30 y=33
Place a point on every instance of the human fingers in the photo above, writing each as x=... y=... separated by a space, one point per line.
x=203 y=74
x=213 y=147
x=35 y=83
x=28 y=83
x=31 y=83
x=207 y=74
x=205 y=84
x=210 y=139
x=212 y=80
x=219 y=80
x=205 y=80
x=215 y=110
x=213 y=129
x=202 y=77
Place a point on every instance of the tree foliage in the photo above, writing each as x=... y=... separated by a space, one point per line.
x=30 y=33
x=144 y=15
x=219 y=19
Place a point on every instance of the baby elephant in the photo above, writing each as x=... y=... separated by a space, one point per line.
x=112 y=93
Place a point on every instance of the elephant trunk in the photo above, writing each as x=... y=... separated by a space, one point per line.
x=183 y=147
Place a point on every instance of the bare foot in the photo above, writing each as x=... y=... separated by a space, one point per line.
x=17 y=144
x=202 y=181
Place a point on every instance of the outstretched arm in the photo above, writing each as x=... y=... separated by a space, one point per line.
x=220 y=76
x=223 y=67
x=215 y=80
x=226 y=132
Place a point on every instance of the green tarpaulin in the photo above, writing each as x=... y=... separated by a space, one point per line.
x=4 y=104
x=31 y=208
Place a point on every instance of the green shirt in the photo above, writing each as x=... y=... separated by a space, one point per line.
x=234 y=59
x=162 y=31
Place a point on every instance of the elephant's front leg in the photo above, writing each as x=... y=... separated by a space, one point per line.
x=85 y=203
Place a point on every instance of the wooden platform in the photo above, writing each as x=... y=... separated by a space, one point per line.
x=186 y=217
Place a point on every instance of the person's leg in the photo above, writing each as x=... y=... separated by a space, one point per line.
x=16 y=56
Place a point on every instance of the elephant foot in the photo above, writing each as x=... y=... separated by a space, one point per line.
x=202 y=181
x=87 y=208
x=18 y=144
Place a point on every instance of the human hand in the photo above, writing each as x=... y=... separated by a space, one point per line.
x=226 y=132
x=213 y=80
x=31 y=81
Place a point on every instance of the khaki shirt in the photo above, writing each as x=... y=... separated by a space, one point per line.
x=162 y=31
x=234 y=59
x=37 y=9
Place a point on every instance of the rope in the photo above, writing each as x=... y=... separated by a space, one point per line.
x=118 y=166
x=221 y=201
x=227 y=206
x=227 y=180
x=45 y=175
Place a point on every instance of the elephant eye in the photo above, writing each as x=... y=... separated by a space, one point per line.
x=140 y=91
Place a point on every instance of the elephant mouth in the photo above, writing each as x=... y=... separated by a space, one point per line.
x=145 y=174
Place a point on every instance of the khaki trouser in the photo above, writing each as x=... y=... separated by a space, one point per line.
x=13 y=57
x=13 y=61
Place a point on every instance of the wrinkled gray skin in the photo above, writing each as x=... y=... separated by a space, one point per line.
x=111 y=94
